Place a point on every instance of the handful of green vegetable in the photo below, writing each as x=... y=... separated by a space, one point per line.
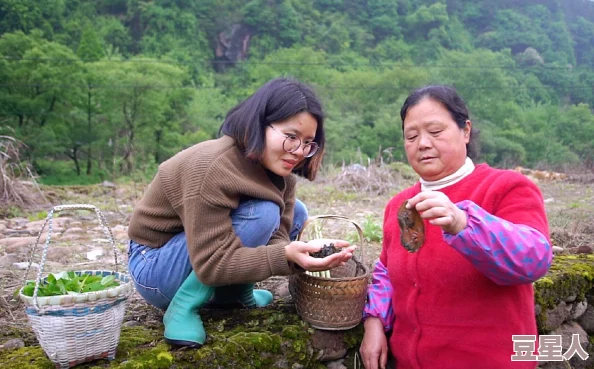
x=69 y=283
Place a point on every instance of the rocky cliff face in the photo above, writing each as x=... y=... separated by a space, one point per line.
x=232 y=46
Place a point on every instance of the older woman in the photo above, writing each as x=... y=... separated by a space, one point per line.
x=457 y=300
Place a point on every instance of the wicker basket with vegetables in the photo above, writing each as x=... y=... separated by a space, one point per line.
x=76 y=315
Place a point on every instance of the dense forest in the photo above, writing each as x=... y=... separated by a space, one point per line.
x=100 y=89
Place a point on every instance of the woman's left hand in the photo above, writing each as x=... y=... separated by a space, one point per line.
x=439 y=210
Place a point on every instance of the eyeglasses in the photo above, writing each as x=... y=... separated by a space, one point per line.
x=292 y=143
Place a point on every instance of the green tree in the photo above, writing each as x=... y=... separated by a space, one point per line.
x=143 y=101
x=582 y=31
x=424 y=19
x=42 y=81
x=90 y=48
x=384 y=19
x=575 y=129
x=113 y=33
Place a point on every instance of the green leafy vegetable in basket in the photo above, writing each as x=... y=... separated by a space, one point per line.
x=69 y=283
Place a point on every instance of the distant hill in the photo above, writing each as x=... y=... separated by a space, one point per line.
x=96 y=88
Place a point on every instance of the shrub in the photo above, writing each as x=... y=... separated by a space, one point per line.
x=17 y=180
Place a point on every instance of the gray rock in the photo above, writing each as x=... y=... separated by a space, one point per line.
x=12 y=344
x=338 y=364
x=282 y=290
x=281 y=364
x=36 y=224
x=8 y=259
x=24 y=265
x=330 y=343
x=62 y=220
x=18 y=222
x=20 y=241
x=567 y=331
x=587 y=320
x=69 y=237
x=108 y=184
x=578 y=309
x=17 y=232
x=74 y=230
x=557 y=315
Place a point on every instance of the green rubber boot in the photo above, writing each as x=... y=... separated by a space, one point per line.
x=183 y=326
x=240 y=295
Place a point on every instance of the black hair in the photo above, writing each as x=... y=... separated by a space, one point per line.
x=277 y=100
x=449 y=98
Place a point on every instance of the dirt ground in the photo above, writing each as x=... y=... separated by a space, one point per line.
x=569 y=205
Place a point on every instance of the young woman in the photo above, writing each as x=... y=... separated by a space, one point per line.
x=457 y=301
x=222 y=214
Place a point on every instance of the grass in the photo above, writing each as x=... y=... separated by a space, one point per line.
x=13 y=191
x=372 y=229
x=569 y=212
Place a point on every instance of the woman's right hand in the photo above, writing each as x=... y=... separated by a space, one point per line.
x=374 y=348
x=298 y=252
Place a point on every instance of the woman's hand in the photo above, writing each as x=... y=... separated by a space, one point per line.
x=374 y=348
x=298 y=252
x=440 y=211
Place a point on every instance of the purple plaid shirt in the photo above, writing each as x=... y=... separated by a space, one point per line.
x=506 y=253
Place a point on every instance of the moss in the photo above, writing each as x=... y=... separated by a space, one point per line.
x=258 y=338
x=290 y=332
x=352 y=340
x=30 y=357
x=240 y=350
x=569 y=275
x=277 y=337
x=135 y=350
x=353 y=337
x=131 y=338
x=352 y=360
x=157 y=357
x=27 y=335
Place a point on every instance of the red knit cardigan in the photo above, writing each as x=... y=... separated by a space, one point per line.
x=448 y=314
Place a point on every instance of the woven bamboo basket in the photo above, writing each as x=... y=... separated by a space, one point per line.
x=78 y=328
x=333 y=302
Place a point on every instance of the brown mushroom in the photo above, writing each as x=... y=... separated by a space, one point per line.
x=412 y=228
x=326 y=250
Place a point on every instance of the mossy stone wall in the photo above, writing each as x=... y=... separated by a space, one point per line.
x=277 y=338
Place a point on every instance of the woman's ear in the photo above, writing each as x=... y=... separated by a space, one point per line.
x=467 y=129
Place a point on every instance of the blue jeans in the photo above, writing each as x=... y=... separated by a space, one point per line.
x=159 y=272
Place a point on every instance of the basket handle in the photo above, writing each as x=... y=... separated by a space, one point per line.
x=48 y=221
x=338 y=217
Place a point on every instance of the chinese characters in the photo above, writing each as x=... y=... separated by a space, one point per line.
x=549 y=348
